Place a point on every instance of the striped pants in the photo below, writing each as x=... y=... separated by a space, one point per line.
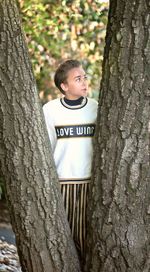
x=75 y=201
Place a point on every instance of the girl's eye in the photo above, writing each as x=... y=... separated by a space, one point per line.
x=78 y=79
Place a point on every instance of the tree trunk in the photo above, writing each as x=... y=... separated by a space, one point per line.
x=38 y=218
x=119 y=208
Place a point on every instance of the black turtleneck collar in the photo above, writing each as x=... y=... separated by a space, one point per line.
x=75 y=102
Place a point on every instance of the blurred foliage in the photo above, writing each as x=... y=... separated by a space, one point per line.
x=57 y=30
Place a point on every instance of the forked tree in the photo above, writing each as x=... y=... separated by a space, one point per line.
x=119 y=209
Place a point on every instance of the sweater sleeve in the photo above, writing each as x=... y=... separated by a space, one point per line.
x=50 y=127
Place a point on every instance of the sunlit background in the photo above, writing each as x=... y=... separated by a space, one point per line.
x=58 y=30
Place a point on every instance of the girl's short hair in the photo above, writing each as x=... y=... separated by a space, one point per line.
x=62 y=72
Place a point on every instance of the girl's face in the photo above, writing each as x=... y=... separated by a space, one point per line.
x=76 y=84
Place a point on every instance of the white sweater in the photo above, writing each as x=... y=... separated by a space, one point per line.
x=71 y=129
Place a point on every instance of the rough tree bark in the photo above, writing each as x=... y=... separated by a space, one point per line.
x=43 y=236
x=119 y=209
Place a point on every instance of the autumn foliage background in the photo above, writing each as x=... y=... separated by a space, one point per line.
x=58 y=30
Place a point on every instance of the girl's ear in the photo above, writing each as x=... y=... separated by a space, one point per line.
x=64 y=86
